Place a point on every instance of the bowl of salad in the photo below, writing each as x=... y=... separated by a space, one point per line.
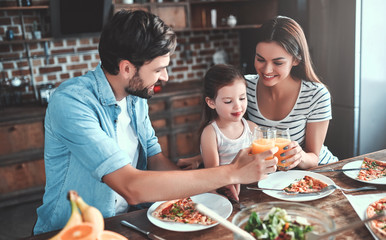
x=282 y=220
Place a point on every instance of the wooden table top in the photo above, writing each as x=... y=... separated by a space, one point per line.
x=336 y=205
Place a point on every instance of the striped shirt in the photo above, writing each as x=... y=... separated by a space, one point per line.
x=312 y=105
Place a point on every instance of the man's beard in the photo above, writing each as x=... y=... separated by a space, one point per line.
x=137 y=88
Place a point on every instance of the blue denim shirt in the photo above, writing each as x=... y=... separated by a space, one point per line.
x=81 y=146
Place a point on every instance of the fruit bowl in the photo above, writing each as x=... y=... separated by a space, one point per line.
x=319 y=219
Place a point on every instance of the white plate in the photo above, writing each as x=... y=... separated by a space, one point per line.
x=354 y=174
x=215 y=202
x=281 y=180
x=360 y=204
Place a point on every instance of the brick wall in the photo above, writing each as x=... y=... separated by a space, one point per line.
x=56 y=60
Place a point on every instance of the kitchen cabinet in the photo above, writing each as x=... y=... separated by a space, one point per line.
x=196 y=15
x=176 y=118
x=21 y=154
x=175 y=14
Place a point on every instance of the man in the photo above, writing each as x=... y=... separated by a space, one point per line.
x=98 y=136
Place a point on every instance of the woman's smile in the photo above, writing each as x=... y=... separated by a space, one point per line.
x=269 y=77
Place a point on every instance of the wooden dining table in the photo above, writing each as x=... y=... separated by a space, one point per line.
x=335 y=204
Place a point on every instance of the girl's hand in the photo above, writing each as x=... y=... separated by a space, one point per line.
x=296 y=154
x=189 y=163
x=231 y=191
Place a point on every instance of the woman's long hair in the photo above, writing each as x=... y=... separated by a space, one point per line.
x=289 y=34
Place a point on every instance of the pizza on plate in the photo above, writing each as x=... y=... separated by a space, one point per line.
x=181 y=211
x=307 y=184
x=377 y=226
x=375 y=169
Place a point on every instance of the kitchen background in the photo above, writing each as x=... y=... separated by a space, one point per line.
x=346 y=40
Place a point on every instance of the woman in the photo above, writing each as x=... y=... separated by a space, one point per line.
x=286 y=93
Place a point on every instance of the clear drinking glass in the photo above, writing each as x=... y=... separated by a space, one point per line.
x=263 y=140
x=282 y=139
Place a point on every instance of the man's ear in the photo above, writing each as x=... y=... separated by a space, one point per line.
x=210 y=103
x=127 y=69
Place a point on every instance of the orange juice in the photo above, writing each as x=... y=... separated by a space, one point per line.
x=281 y=143
x=261 y=145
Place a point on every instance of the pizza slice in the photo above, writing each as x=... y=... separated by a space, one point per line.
x=182 y=211
x=377 y=226
x=375 y=169
x=307 y=184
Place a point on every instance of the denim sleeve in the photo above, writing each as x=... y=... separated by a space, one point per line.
x=86 y=129
x=151 y=139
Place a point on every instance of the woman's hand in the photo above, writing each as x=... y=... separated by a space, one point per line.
x=298 y=157
x=189 y=163
x=295 y=152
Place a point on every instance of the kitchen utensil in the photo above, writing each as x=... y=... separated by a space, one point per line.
x=148 y=234
x=329 y=187
x=315 y=236
x=337 y=170
x=357 y=189
x=204 y=210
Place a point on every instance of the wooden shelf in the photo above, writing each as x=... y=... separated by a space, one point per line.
x=22 y=114
x=19 y=41
x=24 y=8
x=21 y=196
x=198 y=29
x=139 y=5
x=215 y=1
x=21 y=157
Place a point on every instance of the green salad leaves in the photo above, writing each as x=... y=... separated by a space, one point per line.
x=277 y=224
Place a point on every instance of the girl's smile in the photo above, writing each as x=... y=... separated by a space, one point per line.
x=237 y=114
x=230 y=102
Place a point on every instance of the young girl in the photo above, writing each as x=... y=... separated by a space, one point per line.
x=224 y=130
x=287 y=93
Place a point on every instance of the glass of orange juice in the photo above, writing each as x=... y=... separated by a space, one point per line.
x=282 y=139
x=263 y=140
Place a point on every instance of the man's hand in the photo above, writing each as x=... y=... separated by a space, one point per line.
x=252 y=168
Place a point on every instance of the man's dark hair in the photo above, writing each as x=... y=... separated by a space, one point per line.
x=137 y=36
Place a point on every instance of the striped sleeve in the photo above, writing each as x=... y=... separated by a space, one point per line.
x=320 y=105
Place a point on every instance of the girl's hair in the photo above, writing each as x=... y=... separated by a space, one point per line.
x=215 y=78
x=136 y=36
x=289 y=34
